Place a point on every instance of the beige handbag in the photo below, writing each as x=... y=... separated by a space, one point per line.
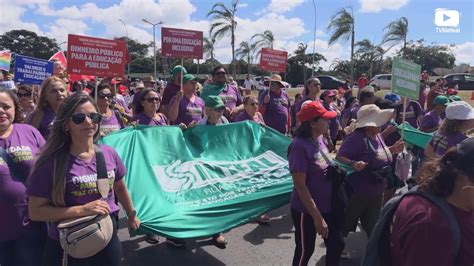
x=85 y=236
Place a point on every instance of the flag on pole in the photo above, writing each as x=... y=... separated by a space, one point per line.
x=5 y=59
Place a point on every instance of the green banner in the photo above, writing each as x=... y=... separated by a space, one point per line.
x=203 y=180
x=406 y=78
x=414 y=136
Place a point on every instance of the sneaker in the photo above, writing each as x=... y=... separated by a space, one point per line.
x=219 y=241
x=178 y=243
x=152 y=239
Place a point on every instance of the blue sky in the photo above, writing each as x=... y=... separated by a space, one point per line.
x=291 y=21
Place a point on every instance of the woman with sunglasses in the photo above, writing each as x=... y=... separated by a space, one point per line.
x=53 y=92
x=112 y=120
x=147 y=108
x=63 y=181
x=250 y=111
x=27 y=100
x=21 y=240
x=229 y=93
x=329 y=102
x=312 y=87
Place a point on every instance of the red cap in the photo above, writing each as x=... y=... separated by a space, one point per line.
x=313 y=110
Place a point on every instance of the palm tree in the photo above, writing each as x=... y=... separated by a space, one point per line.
x=209 y=49
x=224 y=24
x=343 y=25
x=397 y=32
x=300 y=52
x=265 y=39
x=246 y=50
x=370 y=52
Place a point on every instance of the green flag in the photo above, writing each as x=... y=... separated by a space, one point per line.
x=414 y=136
x=203 y=180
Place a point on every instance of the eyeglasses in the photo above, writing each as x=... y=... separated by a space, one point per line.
x=105 y=95
x=221 y=73
x=78 y=118
x=253 y=104
x=152 y=99
x=220 y=109
x=26 y=94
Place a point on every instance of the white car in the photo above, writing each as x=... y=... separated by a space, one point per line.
x=383 y=81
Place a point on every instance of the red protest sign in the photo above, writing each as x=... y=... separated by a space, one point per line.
x=181 y=43
x=273 y=60
x=94 y=56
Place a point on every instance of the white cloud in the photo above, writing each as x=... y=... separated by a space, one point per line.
x=242 y=5
x=320 y=33
x=62 y=27
x=332 y=53
x=282 y=6
x=374 y=6
x=11 y=18
x=464 y=53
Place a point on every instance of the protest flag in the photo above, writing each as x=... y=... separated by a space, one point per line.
x=5 y=59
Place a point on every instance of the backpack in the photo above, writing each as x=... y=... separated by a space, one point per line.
x=378 y=247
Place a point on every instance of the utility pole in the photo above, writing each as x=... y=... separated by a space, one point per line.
x=154 y=43
x=126 y=32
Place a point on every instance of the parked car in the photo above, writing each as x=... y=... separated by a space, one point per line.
x=383 y=81
x=330 y=82
x=463 y=80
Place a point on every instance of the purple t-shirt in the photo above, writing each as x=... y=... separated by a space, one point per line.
x=110 y=124
x=355 y=147
x=231 y=96
x=305 y=156
x=189 y=111
x=170 y=91
x=81 y=178
x=333 y=123
x=46 y=121
x=245 y=116
x=22 y=146
x=144 y=119
x=276 y=111
x=441 y=143
x=430 y=122
x=412 y=111
x=421 y=234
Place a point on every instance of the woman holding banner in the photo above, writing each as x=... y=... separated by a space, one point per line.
x=21 y=240
x=311 y=205
x=64 y=184
x=275 y=105
x=53 y=92
x=147 y=108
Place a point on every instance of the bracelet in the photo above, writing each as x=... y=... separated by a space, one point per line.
x=134 y=213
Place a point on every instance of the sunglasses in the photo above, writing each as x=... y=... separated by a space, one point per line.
x=105 y=95
x=253 y=104
x=152 y=99
x=221 y=109
x=78 y=118
x=26 y=94
x=220 y=73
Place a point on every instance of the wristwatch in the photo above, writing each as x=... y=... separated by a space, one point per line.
x=133 y=213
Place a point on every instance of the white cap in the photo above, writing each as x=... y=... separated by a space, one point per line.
x=459 y=110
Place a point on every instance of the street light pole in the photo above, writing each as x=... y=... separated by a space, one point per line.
x=126 y=32
x=154 y=43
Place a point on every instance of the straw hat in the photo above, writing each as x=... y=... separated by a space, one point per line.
x=371 y=115
x=275 y=79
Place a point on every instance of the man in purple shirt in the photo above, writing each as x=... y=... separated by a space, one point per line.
x=275 y=105
x=431 y=121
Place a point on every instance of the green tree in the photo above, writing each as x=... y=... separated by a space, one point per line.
x=397 y=32
x=297 y=69
x=342 y=23
x=28 y=43
x=223 y=24
x=428 y=56
x=209 y=49
x=368 y=54
x=246 y=51
x=263 y=40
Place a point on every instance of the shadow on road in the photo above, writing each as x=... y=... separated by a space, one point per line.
x=280 y=224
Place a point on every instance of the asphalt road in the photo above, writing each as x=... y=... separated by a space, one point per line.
x=250 y=244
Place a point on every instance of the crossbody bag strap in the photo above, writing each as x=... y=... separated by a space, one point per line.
x=103 y=184
x=14 y=171
x=437 y=143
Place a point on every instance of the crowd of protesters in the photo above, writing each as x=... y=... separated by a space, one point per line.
x=48 y=153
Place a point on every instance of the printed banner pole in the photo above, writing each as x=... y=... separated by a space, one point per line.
x=405 y=100
x=270 y=83
x=182 y=71
x=96 y=87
